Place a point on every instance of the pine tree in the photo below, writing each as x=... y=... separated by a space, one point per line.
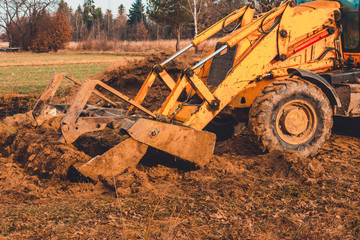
x=88 y=12
x=136 y=12
x=121 y=9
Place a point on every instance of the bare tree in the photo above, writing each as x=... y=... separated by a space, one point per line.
x=34 y=11
x=19 y=8
x=23 y=15
x=109 y=24
x=12 y=13
x=194 y=8
x=120 y=23
x=6 y=18
x=78 y=23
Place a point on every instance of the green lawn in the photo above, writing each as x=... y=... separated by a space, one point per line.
x=26 y=73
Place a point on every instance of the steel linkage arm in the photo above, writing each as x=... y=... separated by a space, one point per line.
x=44 y=110
x=234 y=38
x=72 y=125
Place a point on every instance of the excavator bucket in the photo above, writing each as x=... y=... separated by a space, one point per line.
x=186 y=143
x=78 y=118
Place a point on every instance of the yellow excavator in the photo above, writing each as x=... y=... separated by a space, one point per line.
x=285 y=72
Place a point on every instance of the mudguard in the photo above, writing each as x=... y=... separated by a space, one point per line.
x=319 y=81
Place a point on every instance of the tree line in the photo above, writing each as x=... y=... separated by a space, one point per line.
x=44 y=25
x=159 y=19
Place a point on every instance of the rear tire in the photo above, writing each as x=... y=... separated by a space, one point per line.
x=291 y=114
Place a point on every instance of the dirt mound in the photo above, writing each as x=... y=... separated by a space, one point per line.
x=128 y=78
x=240 y=194
x=38 y=150
x=276 y=164
x=134 y=73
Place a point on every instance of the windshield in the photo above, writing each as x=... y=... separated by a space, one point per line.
x=350 y=17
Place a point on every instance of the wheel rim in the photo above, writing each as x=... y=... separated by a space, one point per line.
x=296 y=122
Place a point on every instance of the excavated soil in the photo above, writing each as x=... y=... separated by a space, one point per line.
x=241 y=193
x=12 y=104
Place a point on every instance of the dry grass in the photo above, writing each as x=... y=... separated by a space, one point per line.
x=236 y=196
x=131 y=46
x=135 y=46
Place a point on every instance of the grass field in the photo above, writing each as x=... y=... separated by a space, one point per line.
x=27 y=73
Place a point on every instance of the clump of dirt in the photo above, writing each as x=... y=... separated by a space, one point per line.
x=13 y=103
x=130 y=182
x=288 y=165
x=15 y=183
x=8 y=129
x=238 y=144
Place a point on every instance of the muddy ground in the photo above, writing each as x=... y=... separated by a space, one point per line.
x=241 y=193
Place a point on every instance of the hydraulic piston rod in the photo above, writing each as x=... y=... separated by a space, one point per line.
x=177 y=54
x=210 y=57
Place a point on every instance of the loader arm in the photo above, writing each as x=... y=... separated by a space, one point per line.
x=246 y=15
x=239 y=77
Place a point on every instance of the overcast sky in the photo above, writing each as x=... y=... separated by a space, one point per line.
x=104 y=4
